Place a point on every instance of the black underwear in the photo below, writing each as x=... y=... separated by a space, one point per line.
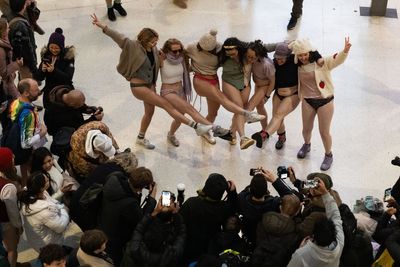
x=148 y=85
x=281 y=97
x=316 y=103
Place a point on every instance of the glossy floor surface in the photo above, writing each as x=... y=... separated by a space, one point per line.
x=366 y=123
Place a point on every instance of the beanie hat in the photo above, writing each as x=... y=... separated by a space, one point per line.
x=95 y=139
x=324 y=177
x=209 y=40
x=300 y=46
x=6 y=159
x=57 y=38
x=17 y=5
x=282 y=50
x=215 y=186
x=258 y=186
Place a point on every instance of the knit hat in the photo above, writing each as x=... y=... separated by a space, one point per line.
x=282 y=50
x=209 y=40
x=258 y=186
x=57 y=38
x=300 y=46
x=324 y=177
x=215 y=186
x=6 y=159
x=17 y=5
x=95 y=139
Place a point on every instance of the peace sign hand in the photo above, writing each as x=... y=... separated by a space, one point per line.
x=95 y=21
x=347 y=44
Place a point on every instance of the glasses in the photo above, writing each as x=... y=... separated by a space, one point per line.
x=176 y=51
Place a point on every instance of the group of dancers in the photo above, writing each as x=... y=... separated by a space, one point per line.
x=296 y=74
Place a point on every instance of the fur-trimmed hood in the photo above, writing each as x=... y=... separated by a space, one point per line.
x=68 y=52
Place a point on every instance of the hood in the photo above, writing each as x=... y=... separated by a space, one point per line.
x=277 y=224
x=68 y=53
x=324 y=254
x=38 y=206
x=117 y=188
x=56 y=94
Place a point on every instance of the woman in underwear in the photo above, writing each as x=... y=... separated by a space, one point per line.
x=176 y=87
x=316 y=92
x=204 y=63
x=139 y=64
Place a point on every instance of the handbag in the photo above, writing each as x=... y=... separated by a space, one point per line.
x=384 y=260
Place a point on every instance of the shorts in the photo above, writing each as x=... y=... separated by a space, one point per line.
x=213 y=81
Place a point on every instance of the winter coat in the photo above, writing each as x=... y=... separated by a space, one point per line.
x=84 y=258
x=45 y=222
x=204 y=218
x=8 y=69
x=61 y=75
x=58 y=115
x=276 y=240
x=23 y=41
x=80 y=164
x=252 y=211
x=151 y=234
x=120 y=213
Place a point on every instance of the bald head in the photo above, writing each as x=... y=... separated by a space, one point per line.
x=290 y=205
x=74 y=99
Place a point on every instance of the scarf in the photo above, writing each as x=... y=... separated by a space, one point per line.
x=187 y=86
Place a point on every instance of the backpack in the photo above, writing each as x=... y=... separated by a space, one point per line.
x=61 y=145
x=349 y=223
x=12 y=139
x=233 y=258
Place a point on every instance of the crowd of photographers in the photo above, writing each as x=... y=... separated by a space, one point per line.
x=306 y=224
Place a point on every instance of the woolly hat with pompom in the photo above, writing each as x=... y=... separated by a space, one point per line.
x=300 y=46
x=57 y=38
x=209 y=40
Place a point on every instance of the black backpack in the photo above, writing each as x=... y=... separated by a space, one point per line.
x=61 y=144
x=12 y=139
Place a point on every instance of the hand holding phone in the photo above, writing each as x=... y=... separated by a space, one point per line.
x=387 y=195
x=165 y=198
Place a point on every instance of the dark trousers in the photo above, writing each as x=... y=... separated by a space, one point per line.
x=297 y=8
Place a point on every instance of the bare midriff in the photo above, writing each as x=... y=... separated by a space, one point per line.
x=287 y=91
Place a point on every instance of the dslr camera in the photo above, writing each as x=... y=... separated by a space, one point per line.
x=282 y=172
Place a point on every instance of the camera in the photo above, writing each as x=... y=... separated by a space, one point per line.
x=387 y=195
x=254 y=171
x=310 y=184
x=282 y=172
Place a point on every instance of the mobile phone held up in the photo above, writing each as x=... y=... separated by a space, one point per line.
x=387 y=195
x=165 y=198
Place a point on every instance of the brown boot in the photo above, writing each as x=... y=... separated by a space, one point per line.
x=180 y=3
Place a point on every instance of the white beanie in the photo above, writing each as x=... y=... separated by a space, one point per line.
x=95 y=139
x=300 y=46
x=209 y=40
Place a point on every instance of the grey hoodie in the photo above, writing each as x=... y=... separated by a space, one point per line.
x=311 y=254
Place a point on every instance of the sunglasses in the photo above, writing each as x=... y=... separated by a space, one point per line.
x=176 y=51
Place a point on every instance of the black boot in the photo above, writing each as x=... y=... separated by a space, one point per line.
x=120 y=9
x=292 y=23
x=111 y=14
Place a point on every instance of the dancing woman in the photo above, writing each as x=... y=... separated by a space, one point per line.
x=176 y=87
x=204 y=62
x=139 y=64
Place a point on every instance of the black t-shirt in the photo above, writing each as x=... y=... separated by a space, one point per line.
x=286 y=75
x=150 y=56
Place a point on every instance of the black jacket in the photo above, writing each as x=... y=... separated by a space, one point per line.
x=204 y=218
x=61 y=75
x=392 y=244
x=156 y=243
x=120 y=213
x=23 y=42
x=252 y=211
x=58 y=115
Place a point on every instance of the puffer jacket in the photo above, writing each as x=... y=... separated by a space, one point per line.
x=45 y=222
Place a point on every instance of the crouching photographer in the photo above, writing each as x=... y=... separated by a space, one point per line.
x=255 y=200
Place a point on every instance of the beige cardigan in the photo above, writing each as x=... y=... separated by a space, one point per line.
x=133 y=54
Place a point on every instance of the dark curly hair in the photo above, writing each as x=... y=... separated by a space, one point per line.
x=239 y=45
x=258 y=47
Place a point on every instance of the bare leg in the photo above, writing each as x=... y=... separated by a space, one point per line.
x=174 y=127
x=257 y=101
x=325 y=114
x=147 y=116
x=280 y=110
x=308 y=116
x=109 y=3
x=212 y=110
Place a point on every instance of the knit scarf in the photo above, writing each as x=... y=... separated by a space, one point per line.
x=187 y=86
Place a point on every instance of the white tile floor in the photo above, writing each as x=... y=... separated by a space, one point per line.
x=366 y=123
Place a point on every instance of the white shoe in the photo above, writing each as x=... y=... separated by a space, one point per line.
x=211 y=140
x=173 y=140
x=219 y=131
x=254 y=117
x=202 y=129
x=145 y=143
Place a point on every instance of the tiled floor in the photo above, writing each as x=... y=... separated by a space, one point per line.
x=366 y=123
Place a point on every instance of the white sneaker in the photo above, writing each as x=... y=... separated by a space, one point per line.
x=173 y=140
x=202 y=129
x=254 y=117
x=145 y=143
x=211 y=140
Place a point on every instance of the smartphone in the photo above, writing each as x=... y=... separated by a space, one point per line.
x=165 y=198
x=46 y=60
x=387 y=195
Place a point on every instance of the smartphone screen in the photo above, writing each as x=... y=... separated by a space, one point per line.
x=166 y=198
x=284 y=175
x=388 y=194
